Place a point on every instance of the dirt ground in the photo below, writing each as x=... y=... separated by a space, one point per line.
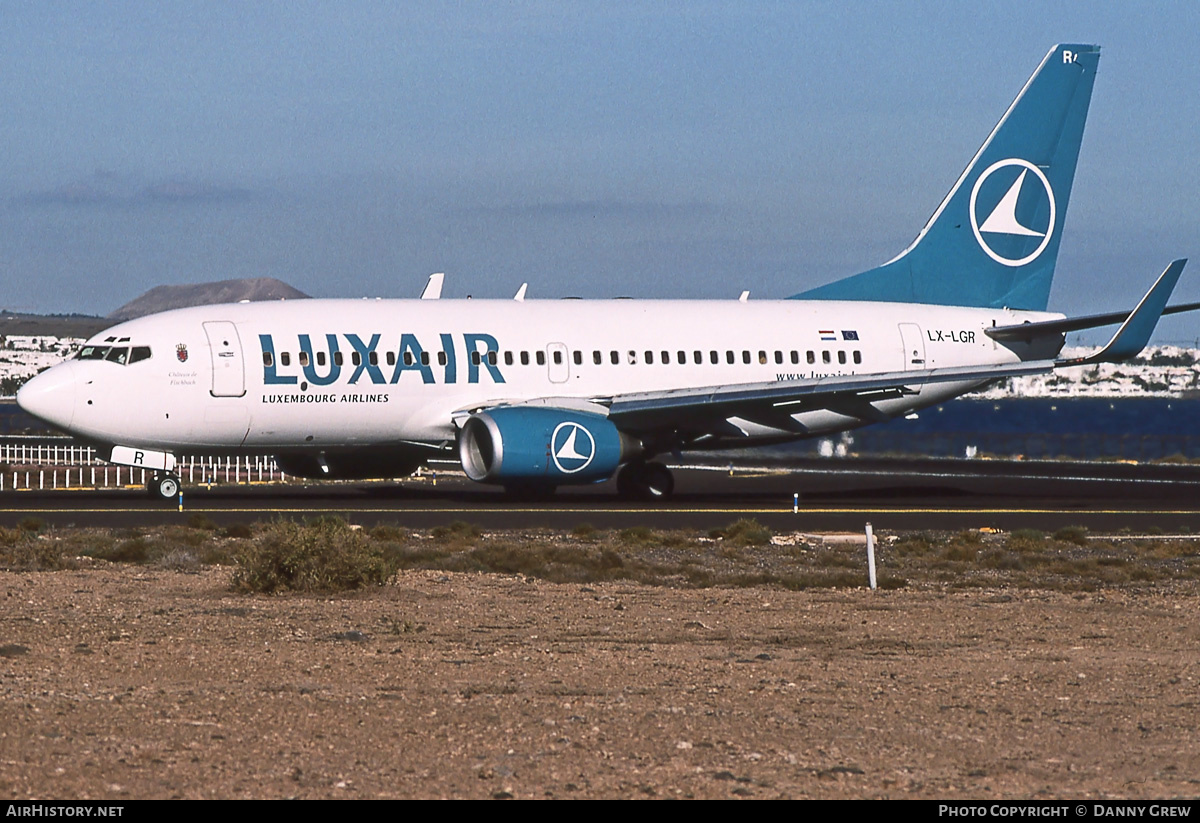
x=121 y=682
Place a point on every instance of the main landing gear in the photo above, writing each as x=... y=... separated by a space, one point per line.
x=163 y=486
x=642 y=480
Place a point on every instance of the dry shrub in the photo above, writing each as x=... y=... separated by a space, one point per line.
x=22 y=551
x=744 y=532
x=325 y=555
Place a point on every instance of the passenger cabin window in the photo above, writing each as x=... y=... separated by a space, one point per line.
x=714 y=358
x=649 y=357
x=745 y=356
x=825 y=357
x=337 y=358
x=524 y=358
x=597 y=358
x=812 y=357
x=475 y=358
x=508 y=358
x=778 y=357
x=285 y=359
x=268 y=360
x=795 y=357
x=615 y=357
x=408 y=358
x=373 y=358
x=303 y=358
x=441 y=358
x=557 y=357
x=857 y=357
x=391 y=358
x=541 y=357
x=425 y=358
x=491 y=358
x=729 y=357
x=578 y=357
x=842 y=357
x=355 y=358
x=762 y=358
x=320 y=358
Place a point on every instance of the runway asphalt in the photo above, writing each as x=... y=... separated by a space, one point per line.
x=834 y=495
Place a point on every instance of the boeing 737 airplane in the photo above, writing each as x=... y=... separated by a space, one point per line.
x=533 y=394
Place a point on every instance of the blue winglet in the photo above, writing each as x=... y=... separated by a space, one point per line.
x=1135 y=332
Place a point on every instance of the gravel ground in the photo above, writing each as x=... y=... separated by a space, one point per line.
x=120 y=681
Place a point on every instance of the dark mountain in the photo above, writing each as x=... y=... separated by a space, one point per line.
x=162 y=298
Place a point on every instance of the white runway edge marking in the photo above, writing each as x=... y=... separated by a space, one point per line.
x=765 y=471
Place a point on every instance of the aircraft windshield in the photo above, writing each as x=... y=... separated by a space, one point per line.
x=114 y=354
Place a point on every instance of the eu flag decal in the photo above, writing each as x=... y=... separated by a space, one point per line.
x=849 y=335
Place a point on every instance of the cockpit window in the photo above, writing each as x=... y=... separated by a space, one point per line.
x=121 y=355
x=118 y=354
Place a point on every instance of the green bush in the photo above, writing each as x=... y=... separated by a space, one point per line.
x=325 y=555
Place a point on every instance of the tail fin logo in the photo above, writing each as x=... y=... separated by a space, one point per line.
x=1002 y=220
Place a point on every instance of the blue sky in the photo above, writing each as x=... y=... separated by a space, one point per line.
x=592 y=149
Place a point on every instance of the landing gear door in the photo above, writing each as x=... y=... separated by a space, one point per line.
x=914 y=346
x=228 y=369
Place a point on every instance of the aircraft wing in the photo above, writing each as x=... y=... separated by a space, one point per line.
x=773 y=403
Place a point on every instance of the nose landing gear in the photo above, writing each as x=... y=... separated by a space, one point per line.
x=163 y=487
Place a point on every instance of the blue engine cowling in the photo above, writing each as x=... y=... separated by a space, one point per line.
x=537 y=444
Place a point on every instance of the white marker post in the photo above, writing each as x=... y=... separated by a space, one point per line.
x=795 y=502
x=871 y=556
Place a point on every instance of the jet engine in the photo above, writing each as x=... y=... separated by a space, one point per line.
x=514 y=445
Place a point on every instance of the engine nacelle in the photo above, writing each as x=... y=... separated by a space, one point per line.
x=514 y=444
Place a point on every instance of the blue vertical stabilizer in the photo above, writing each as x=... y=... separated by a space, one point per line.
x=993 y=241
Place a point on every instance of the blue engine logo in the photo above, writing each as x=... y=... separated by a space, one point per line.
x=572 y=447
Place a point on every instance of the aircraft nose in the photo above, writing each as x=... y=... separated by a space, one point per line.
x=50 y=396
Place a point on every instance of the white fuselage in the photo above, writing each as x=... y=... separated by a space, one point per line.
x=267 y=375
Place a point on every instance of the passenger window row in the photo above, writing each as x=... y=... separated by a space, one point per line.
x=614 y=357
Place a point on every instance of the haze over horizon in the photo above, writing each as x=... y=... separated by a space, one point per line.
x=628 y=149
